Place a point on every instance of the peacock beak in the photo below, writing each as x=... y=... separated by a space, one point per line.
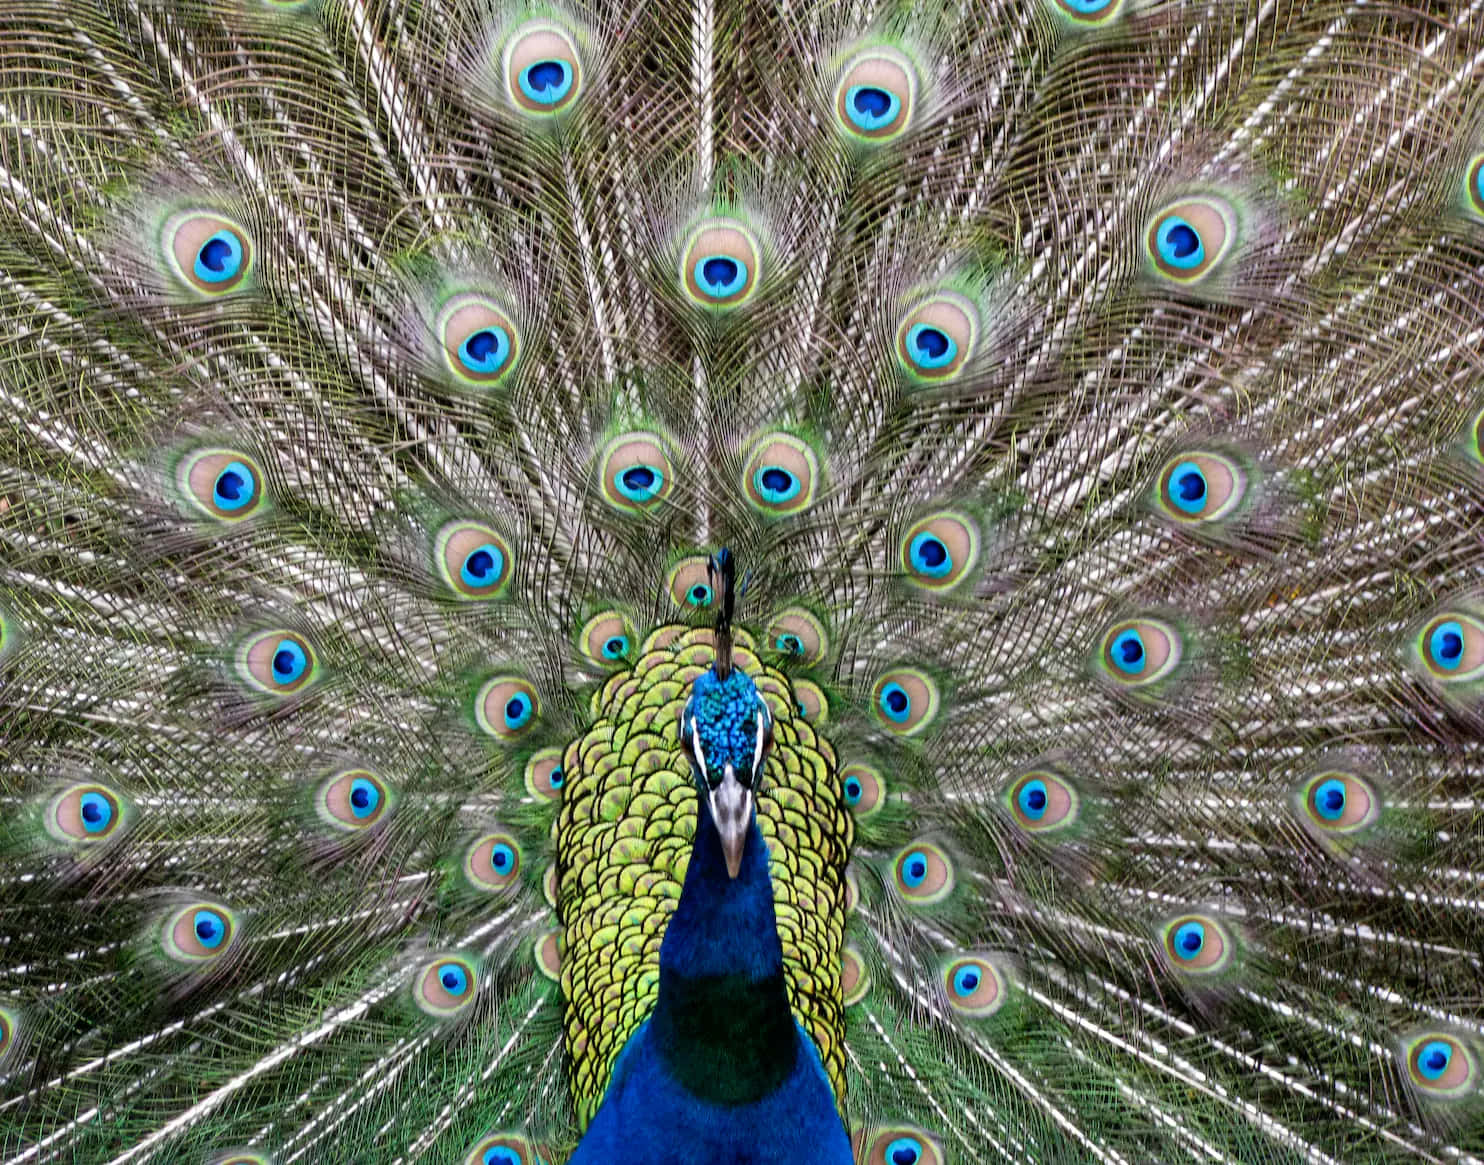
x=731 y=809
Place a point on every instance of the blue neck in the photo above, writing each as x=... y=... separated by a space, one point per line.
x=722 y=1023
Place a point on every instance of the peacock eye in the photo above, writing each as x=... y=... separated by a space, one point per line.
x=210 y=254
x=222 y=483
x=1200 y=487
x=1440 y=1066
x=199 y=933
x=901 y=1145
x=636 y=472
x=1197 y=944
x=543 y=72
x=1140 y=651
x=721 y=264
x=85 y=814
x=939 y=551
x=506 y=707
x=810 y=702
x=855 y=979
x=923 y=873
x=480 y=343
x=9 y=1026
x=905 y=700
x=876 y=94
x=1187 y=239
x=688 y=583
x=502 y=1149
x=473 y=560
x=606 y=638
x=1451 y=647
x=1041 y=801
x=1086 y=13
x=548 y=954
x=1473 y=185
x=544 y=774
x=936 y=338
x=493 y=862
x=974 y=985
x=445 y=986
x=1338 y=802
x=797 y=633
x=353 y=800
x=277 y=662
x=780 y=475
x=864 y=789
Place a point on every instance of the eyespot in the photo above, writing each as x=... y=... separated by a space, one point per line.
x=506 y=707
x=445 y=986
x=607 y=638
x=1473 y=186
x=1440 y=1066
x=922 y=873
x=210 y=254
x=493 y=862
x=876 y=95
x=903 y=1145
x=810 y=701
x=1086 y=13
x=939 y=551
x=224 y=484
x=85 y=814
x=636 y=472
x=780 y=475
x=905 y=701
x=480 y=343
x=937 y=337
x=1452 y=647
x=1197 y=944
x=1186 y=240
x=548 y=955
x=473 y=560
x=1200 y=487
x=1140 y=651
x=721 y=263
x=1040 y=801
x=543 y=73
x=855 y=979
x=544 y=774
x=353 y=800
x=1339 y=802
x=852 y=890
x=797 y=634
x=551 y=887
x=689 y=585
x=277 y=662
x=973 y=985
x=864 y=790
x=199 y=933
x=9 y=1026
x=244 y=1158
x=503 y=1149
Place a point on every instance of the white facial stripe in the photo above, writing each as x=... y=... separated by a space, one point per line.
x=757 y=752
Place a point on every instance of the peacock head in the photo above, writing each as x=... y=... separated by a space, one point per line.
x=726 y=729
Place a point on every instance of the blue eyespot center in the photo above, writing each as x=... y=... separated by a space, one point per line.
x=1329 y=799
x=640 y=483
x=364 y=797
x=234 y=487
x=1446 y=645
x=776 y=484
x=929 y=555
x=500 y=1155
x=557 y=777
x=699 y=595
x=502 y=858
x=289 y=661
x=1189 y=939
x=720 y=276
x=896 y=705
x=96 y=812
x=790 y=644
x=1179 y=243
x=517 y=711
x=1434 y=1059
x=914 y=868
x=546 y=82
x=210 y=928
x=871 y=107
x=966 y=980
x=930 y=347
x=220 y=258
x=1032 y=799
x=1189 y=491
x=486 y=350
x=483 y=565
x=904 y=1151
x=454 y=979
x=1128 y=652
x=853 y=790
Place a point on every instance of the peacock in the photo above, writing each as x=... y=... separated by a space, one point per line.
x=859 y=583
